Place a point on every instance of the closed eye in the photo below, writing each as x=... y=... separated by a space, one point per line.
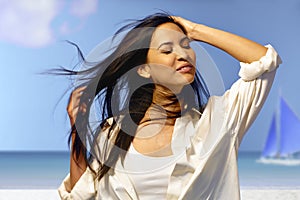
x=166 y=51
x=185 y=43
x=166 y=48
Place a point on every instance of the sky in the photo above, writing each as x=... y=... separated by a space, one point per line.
x=32 y=40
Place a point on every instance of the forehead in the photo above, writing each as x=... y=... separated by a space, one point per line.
x=168 y=32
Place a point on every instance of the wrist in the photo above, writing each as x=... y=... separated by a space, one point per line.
x=198 y=32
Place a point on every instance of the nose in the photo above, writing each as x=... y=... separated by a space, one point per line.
x=182 y=54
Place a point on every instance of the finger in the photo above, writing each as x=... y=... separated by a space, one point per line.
x=76 y=93
x=176 y=18
x=74 y=112
x=83 y=107
x=73 y=115
x=74 y=101
x=76 y=106
x=80 y=89
x=74 y=98
x=71 y=109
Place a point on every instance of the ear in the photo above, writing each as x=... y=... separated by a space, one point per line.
x=144 y=71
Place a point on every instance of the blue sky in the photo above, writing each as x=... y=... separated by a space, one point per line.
x=31 y=40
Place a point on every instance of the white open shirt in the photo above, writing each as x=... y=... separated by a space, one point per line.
x=207 y=168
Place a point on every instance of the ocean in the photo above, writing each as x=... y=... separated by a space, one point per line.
x=46 y=170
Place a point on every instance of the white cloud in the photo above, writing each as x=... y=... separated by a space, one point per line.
x=65 y=28
x=28 y=22
x=83 y=8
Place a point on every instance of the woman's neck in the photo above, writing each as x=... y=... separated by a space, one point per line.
x=165 y=104
x=166 y=101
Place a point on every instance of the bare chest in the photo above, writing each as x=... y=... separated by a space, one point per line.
x=154 y=140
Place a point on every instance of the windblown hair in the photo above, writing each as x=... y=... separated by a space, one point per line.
x=111 y=86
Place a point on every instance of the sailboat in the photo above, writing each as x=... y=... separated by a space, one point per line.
x=282 y=146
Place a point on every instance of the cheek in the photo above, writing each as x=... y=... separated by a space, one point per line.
x=163 y=60
x=168 y=61
x=193 y=57
x=160 y=73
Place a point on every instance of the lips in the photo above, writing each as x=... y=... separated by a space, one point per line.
x=184 y=68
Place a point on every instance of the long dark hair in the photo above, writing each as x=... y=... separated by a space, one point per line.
x=105 y=84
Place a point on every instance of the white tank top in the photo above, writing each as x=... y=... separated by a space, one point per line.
x=149 y=175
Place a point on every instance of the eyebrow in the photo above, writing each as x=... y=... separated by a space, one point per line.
x=165 y=43
x=170 y=43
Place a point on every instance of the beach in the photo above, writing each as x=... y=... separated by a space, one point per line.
x=247 y=194
x=37 y=175
x=271 y=194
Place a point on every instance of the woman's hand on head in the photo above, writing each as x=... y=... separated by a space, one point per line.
x=243 y=49
x=188 y=25
x=74 y=104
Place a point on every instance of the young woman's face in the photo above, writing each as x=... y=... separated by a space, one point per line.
x=171 y=61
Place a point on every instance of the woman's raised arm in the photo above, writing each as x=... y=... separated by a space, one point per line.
x=239 y=47
x=77 y=165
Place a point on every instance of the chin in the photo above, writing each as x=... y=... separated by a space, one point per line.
x=189 y=80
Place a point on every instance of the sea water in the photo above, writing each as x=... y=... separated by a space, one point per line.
x=258 y=175
x=33 y=170
x=46 y=170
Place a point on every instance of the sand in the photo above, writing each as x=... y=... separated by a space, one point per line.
x=247 y=194
x=271 y=194
x=29 y=194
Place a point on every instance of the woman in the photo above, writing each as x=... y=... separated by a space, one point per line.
x=161 y=138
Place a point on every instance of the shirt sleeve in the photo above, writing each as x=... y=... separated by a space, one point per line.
x=83 y=189
x=246 y=96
